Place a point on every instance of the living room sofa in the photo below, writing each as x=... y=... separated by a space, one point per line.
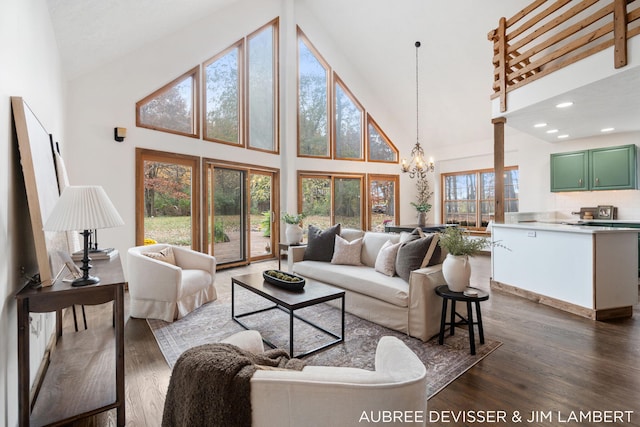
x=407 y=304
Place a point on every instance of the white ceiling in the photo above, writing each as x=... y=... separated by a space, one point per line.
x=377 y=37
x=93 y=32
x=613 y=102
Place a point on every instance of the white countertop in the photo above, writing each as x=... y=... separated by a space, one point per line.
x=567 y=228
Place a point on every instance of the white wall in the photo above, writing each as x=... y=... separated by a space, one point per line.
x=106 y=97
x=30 y=69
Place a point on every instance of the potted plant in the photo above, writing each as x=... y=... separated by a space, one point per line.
x=422 y=204
x=460 y=246
x=293 y=230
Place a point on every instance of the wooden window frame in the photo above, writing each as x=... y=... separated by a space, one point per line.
x=275 y=24
x=373 y=123
x=478 y=201
x=239 y=45
x=332 y=80
x=329 y=86
x=396 y=196
x=194 y=73
x=337 y=81
x=332 y=176
x=144 y=154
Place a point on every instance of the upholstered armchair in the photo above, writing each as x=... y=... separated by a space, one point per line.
x=168 y=282
x=339 y=396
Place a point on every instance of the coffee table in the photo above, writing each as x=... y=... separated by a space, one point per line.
x=289 y=301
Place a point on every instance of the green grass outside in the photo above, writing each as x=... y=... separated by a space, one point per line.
x=176 y=230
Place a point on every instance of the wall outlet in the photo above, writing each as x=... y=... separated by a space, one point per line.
x=531 y=234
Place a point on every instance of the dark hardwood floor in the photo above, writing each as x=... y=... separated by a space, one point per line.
x=550 y=361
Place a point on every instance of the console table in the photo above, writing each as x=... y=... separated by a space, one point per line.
x=85 y=373
x=427 y=228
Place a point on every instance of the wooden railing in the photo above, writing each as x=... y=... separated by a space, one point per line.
x=553 y=36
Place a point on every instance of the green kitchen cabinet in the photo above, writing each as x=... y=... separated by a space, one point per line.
x=613 y=168
x=569 y=171
x=610 y=168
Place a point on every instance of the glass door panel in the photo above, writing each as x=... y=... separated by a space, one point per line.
x=227 y=225
x=261 y=218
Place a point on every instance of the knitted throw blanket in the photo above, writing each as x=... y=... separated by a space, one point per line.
x=209 y=385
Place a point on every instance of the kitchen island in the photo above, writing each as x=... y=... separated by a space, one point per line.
x=591 y=271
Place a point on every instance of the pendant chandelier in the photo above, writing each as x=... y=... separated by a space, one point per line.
x=417 y=166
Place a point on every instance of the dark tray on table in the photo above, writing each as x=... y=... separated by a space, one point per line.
x=296 y=285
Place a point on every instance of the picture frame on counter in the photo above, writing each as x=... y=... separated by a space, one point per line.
x=605 y=212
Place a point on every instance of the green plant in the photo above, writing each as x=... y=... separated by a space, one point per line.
x=293 y=219
x=266 y=223
x=421 y=207
x=457 y=242
x=424 y=194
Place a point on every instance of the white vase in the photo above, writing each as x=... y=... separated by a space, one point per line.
x=293 y=234
x=457 y=272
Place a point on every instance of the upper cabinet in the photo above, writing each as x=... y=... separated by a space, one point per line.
x=569 y=171
x=611 y=168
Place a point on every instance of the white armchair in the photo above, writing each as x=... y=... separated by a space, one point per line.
x=160 y=290
x=339 y=396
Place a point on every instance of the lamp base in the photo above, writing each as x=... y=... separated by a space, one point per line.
x=90 y=280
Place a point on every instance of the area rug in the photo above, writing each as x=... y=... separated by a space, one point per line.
x=212 y=323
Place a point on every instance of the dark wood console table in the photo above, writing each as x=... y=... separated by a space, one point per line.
x=427 y=228
x=85 y=374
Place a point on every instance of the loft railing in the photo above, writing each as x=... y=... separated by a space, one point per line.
x=552 y=36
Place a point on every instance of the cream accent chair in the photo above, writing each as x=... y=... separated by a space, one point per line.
x=159 y=290
x=339 y=396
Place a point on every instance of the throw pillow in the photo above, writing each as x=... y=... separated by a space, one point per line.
x=165 y=255
x=386 y=260
x=320 y=243
x=346 y=252
x=415 y=254
x=406 y=236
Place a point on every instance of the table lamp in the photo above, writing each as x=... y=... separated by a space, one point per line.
x=83 y=208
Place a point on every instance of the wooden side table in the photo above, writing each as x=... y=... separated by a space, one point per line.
x=447 y=294
x=85 y=374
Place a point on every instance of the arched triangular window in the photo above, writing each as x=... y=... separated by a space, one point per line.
x=172 y=108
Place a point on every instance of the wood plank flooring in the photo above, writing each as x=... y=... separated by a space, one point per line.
x=550 y=361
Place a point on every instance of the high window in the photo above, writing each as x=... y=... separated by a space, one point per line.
x=172 y=108
x=240 y=92
x=331 y=121
x=468 y=197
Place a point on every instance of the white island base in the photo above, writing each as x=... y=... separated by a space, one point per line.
x=588 y=271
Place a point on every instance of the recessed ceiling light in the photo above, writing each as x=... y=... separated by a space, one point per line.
x=607 y=129
x=563 y=136
x=552 y=131
x=539 y=125
x=564 y=104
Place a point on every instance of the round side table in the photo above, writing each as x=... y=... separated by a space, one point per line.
x=449 y=295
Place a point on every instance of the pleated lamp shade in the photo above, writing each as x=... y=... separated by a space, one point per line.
x=83 y=208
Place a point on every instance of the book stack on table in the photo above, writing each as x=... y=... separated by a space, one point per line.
x=96 y=254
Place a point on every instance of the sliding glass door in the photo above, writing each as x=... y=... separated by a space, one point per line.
x=240 y=213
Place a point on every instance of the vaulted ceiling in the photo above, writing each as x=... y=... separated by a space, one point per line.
x=376 y=35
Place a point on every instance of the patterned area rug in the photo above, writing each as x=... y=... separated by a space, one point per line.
x=212 y=323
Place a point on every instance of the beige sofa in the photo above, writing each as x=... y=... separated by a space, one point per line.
x=411 y=307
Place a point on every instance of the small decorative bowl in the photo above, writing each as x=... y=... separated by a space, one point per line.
x=295 y=284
